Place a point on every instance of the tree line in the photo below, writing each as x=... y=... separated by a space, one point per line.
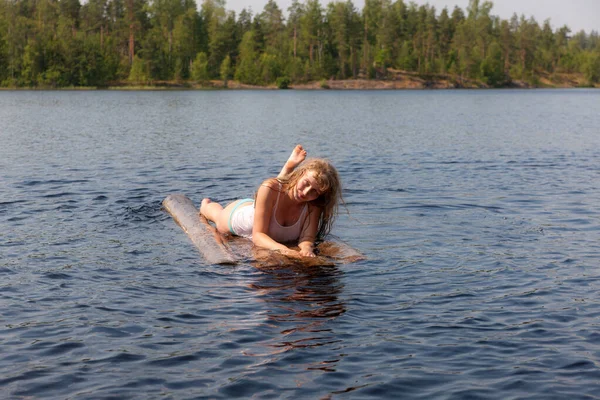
x=62 y=43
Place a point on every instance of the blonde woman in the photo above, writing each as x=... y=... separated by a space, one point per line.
x=296 y=208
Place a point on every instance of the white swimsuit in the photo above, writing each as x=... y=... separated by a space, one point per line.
x=241 y=222
x=241 y=219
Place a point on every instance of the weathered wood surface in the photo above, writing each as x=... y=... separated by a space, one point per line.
x=339 y=251
x=208 y=242
x=227 y=249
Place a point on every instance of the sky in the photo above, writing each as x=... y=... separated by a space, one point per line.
x=576 y=14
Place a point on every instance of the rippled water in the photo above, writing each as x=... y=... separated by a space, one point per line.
x=478 y=211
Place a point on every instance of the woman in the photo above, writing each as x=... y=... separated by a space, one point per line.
x=298 y=207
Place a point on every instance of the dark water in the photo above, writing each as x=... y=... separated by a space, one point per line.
x=478 y=211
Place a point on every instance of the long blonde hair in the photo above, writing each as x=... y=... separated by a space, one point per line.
x=330 y=187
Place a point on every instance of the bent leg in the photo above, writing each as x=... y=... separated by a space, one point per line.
x=298 y=155
x=209 y=210
x=216 y=213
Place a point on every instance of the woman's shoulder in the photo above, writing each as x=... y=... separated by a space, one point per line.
x=313 y=208
x=271 y=183
x=269 y=190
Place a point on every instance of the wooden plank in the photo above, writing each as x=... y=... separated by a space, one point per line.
x=208 y=242
x=339 y=251
x=227 y=249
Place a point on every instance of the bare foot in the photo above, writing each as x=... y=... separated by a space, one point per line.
x=205 y=201
x=298 y=155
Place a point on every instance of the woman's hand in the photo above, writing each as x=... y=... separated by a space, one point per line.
x=306 y=253
x=297 y=254
x=307 y=248
x=291 y=253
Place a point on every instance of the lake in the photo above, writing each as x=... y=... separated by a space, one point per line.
x=477 y=211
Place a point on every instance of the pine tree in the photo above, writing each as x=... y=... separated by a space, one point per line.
x=95 y=42
x=200 y=68
x=247 y=70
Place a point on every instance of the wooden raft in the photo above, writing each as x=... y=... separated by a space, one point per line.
x=227 y=249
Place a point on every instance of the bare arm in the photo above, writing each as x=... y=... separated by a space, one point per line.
x=309 y=232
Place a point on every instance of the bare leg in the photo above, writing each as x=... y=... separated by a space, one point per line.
x=298 y=155
x=216 y=213
x=211 y=211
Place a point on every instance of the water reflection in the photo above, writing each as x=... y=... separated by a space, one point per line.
x=301 y=302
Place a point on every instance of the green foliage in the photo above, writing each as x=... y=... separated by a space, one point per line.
x=94 y=68
x=248 y=70
x=269 y=68
x=139 y=71
x=51 y=77
x=492 y=67
x=382 y=58
x=295 y=70
x=591 y=68
x=225 y=70
x=3 y=44
x=200 y=68
x=283 y=82
x=31 y=65
x=96 y=42
x=406 y=61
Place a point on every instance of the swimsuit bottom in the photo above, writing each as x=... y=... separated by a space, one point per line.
x=241 y=219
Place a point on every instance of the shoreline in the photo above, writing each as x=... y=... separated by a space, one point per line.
x=398 y=80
